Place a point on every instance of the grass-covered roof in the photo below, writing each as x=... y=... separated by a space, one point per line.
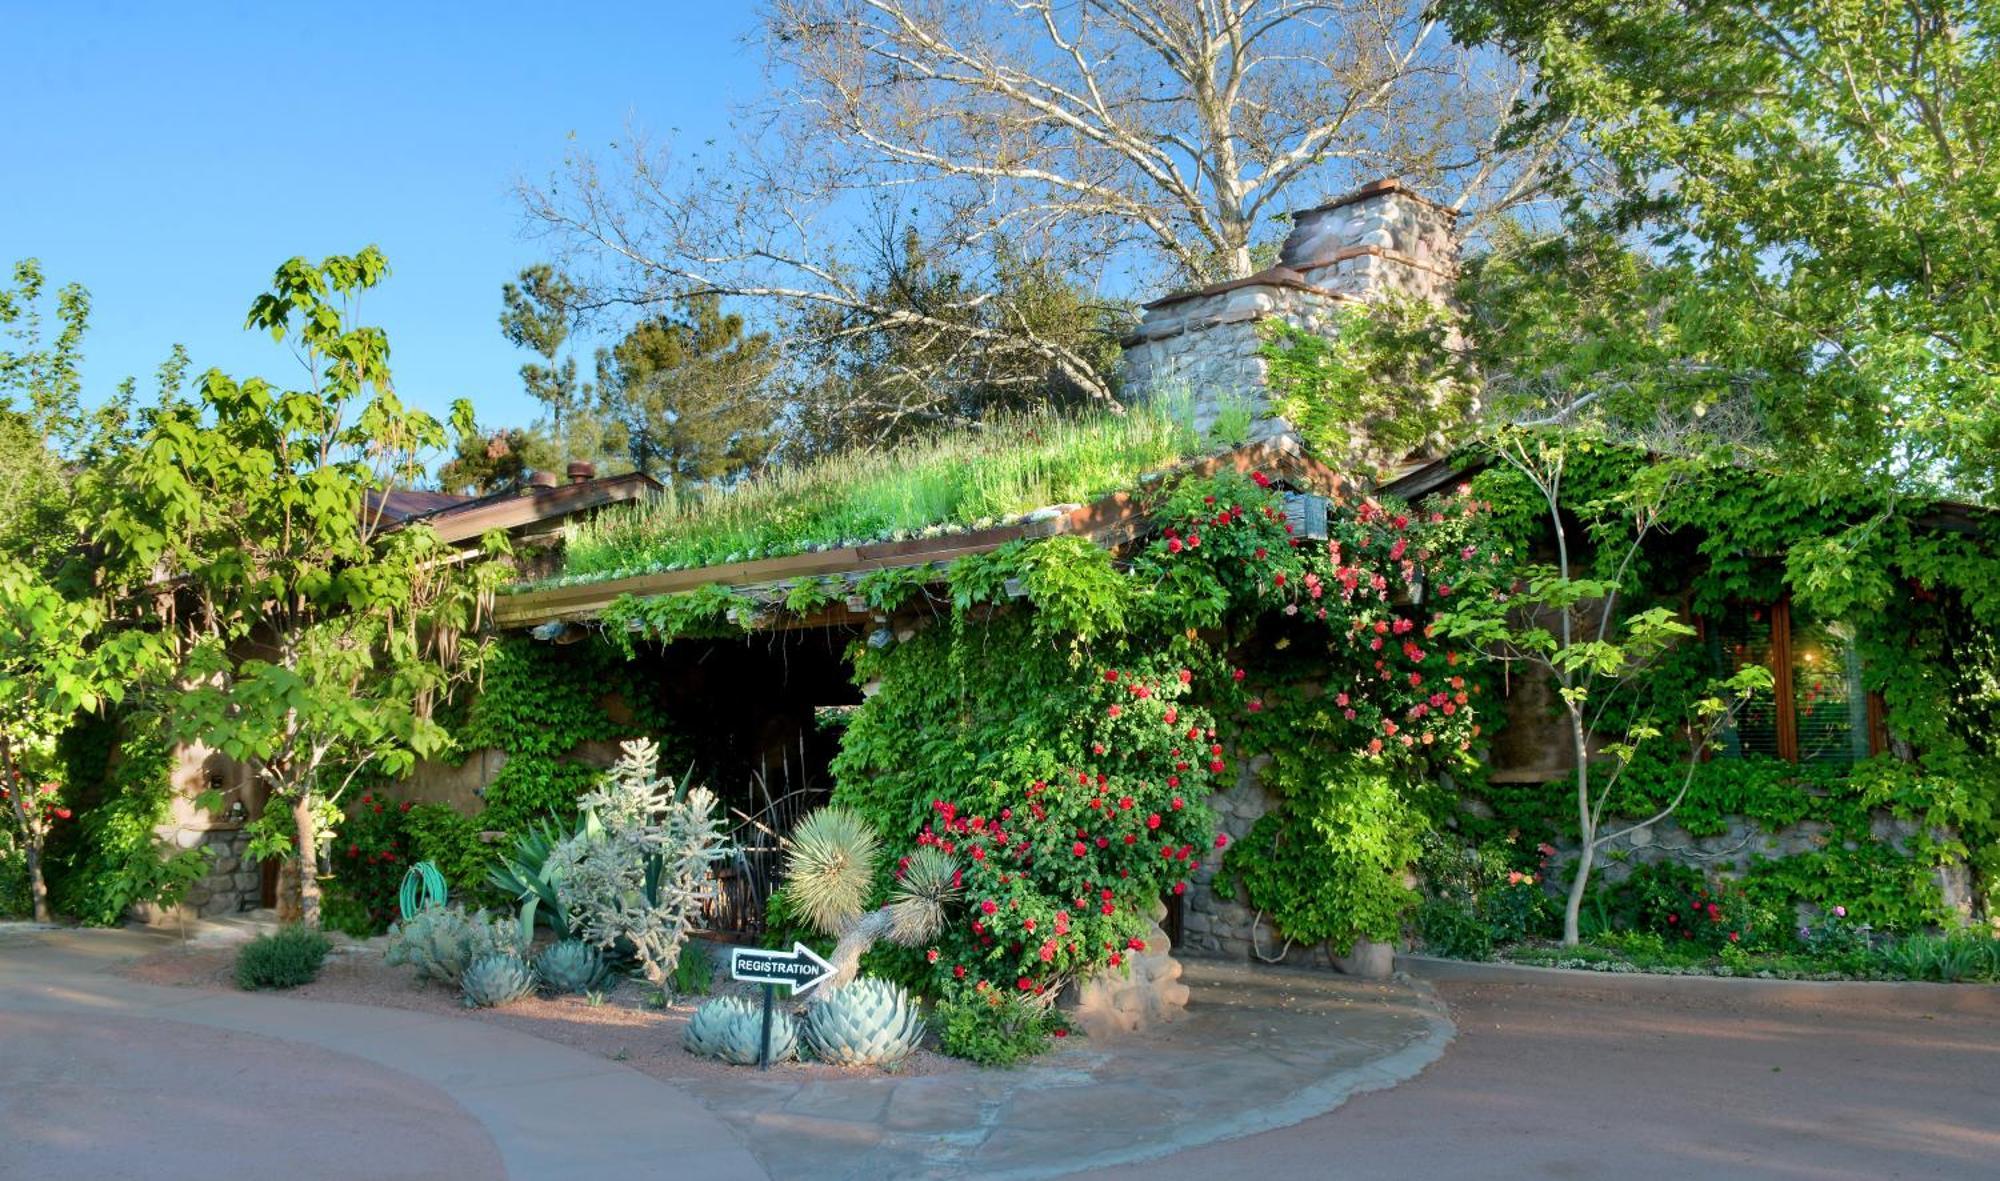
x=949 y=483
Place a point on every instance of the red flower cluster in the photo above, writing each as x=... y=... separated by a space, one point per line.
x=1057 y=877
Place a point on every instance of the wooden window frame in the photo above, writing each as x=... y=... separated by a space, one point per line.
x=1782 y=686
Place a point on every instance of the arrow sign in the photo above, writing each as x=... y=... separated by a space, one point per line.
x=801 y=969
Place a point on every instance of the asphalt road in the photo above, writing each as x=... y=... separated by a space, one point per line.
x=1635 y=1078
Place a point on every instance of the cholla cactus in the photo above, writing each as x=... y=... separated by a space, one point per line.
x=442 y=941
x=731 y=1028
x=642 y=880
x=830 y=872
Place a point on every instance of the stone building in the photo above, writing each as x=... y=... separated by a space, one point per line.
x=1382 y=241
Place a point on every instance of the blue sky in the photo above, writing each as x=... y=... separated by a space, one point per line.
x=169 y=157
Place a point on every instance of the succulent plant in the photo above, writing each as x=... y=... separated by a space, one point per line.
x=731 y=1027
x=870 y=1022
x=569 y=966
x=494 y=980
x=441 y=941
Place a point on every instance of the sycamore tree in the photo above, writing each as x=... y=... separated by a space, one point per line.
x=313 y=634
x=58 y=657
x=1123 y=145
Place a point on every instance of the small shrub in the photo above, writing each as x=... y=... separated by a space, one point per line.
x=1949 y=958
x=1518 y=909
x=570 y=966
x=694 y=974
x=1835 y=937
x=1450 y=929
x=995 y=1031
x=284 y=959
x=370 y=858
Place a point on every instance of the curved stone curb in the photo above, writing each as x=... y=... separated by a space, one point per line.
x=1307 y=1103
x=1259 y=1049
x=1425 y=968
x=552 y=1112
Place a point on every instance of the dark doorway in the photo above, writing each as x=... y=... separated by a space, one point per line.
x=757 y=720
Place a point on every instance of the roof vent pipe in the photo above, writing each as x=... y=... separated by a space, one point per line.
x=581 y=470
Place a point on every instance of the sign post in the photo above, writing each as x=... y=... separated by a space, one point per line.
x=801 y=969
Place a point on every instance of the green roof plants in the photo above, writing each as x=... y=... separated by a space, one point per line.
x=947 y=483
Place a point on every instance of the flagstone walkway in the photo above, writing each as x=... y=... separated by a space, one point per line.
x=1259 y=1049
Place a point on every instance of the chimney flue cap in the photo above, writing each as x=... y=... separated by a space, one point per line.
x=581 y=470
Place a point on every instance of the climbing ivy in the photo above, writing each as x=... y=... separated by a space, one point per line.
x=1920 y=584
x=538 y=703
x=1060 y=674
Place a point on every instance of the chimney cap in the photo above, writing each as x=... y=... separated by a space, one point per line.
x=581 y=470
x=542 y=480
x=1378 y=188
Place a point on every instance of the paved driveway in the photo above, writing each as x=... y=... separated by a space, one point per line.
x=1634 y=1078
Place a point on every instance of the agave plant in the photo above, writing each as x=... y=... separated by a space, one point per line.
x=526 y=876
x=830 y=872
x=870 y=1022
x=732 y=1027
x=569 y=966
x=494 y=980
x=442 y=941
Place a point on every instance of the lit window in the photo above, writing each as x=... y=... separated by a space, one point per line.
x=1816 y=710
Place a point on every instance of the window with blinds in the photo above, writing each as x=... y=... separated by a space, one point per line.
x=1817 y=710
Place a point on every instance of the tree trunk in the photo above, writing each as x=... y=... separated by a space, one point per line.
x=1586 y=833
x=36 y=886
x=308 y=853
x=855 y=940
x=1573 y=912
x=31 y=836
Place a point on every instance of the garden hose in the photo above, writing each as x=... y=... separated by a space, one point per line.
x=423 y=886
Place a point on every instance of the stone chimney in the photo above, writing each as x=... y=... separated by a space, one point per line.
x=1382 y=240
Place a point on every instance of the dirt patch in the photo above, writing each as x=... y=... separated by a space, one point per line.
x=629 y=1026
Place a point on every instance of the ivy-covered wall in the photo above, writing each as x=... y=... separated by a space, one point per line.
x=1903 y=840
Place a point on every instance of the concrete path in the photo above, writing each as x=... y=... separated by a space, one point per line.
x=504 y=1100
x=1259 y=1049
x=1638 y=1078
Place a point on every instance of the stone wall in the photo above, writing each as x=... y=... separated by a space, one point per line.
x=1201 y=346
x=1729 y=853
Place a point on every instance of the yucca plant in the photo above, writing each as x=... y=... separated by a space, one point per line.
x=830 y=873
x=871 y=1022
x=569 y=966
x=494 y=980
x=732 y=1028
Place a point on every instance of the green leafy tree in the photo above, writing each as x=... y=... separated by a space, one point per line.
x=1564 y=619
x=57 y=657
x=40 y=387
x=1826 y=171
x=683 y=395
x=313 y=636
